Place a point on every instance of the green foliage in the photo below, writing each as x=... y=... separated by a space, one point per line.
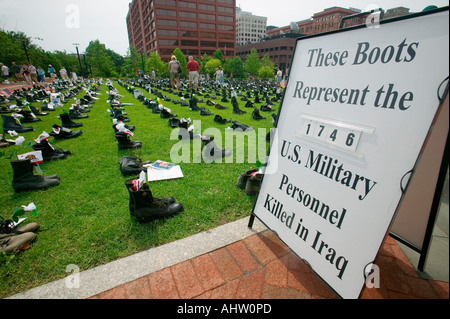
x=130 y=64
x=218 y=54
x=99 y=61
x=252 y=63
x=14 y=44
x=234 y=66
x=266 y=72
x=205 y=58
x=265 y=61
x=154 y=62
x=212 y=65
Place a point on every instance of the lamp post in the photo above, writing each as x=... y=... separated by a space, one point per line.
x=143 y=63
x=79 y=60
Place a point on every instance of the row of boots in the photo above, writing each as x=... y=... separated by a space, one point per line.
x=14 y=238
x=143 y=206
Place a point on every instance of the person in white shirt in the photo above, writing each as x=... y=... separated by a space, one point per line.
x=33 y=72
x=63 y=73
x=279 y=77
x=5 y=71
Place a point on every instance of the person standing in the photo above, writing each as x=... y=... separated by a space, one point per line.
x=33 y=72
x=279 y=78
x=41 y=74
x=63 y=73
x=219 y=76
x=174 y=67
x=26 y=73
x=17 y=71
x=5 y=72
x=52 y=72
x=194 y=73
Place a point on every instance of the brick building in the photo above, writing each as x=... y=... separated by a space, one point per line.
x=196 y=27
x=326 y=20
x=279 y=43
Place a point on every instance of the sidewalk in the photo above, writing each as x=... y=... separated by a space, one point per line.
x=232 y=262
x=18 y=86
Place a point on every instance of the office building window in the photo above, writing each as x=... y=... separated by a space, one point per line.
x=186 y=24
x=207 y=44
x=203 y=16
x=209 y=35
x=171 y=3
x=162 y=22
x=190 y=5
x=171 y=33
x=185 y=14
x=207 y=26
x=164 y=12
x=225 y=27
x=189 y=43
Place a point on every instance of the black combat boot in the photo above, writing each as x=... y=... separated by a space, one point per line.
x=256 y=116
x=131 y=165
x=62 y=133
x=212 y=152
x=10 y=124
x=145 y=208
x=49 y=152
x=67 y=121
x=28 y=117
x=236 y=109
x=25 y=180
x=124 y=142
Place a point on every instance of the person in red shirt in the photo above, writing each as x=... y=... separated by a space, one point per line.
x=194 y=72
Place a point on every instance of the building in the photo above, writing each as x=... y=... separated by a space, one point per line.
x=249 y=28
x=196 y=27
x=326 y=20
x=279 y=43
x=396 y=12
x=279 y=48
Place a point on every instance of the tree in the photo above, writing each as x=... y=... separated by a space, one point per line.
x=212 y=65
x=252 y=63
x=117 y=59
x=154 y=62
x=234 y=66
x=265 y=61
x=130 y=64
x=266 y=72
x=99 y=60
x=11 y=49
x=218 y=54
x=205 y=58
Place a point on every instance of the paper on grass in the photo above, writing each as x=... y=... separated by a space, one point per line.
x=154 y=174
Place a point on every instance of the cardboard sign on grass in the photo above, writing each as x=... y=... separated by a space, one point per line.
x=355 y=114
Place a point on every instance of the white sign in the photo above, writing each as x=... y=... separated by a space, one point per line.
x=355 y=114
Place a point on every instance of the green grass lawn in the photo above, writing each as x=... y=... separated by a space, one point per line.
x=85 y=220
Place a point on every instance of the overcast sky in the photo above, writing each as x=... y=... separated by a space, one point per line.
x=58 y=24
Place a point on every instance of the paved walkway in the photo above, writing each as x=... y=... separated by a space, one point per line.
x=232 y=262
x=262 y=267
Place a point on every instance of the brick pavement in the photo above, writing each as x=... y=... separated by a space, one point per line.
x=262 y=267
